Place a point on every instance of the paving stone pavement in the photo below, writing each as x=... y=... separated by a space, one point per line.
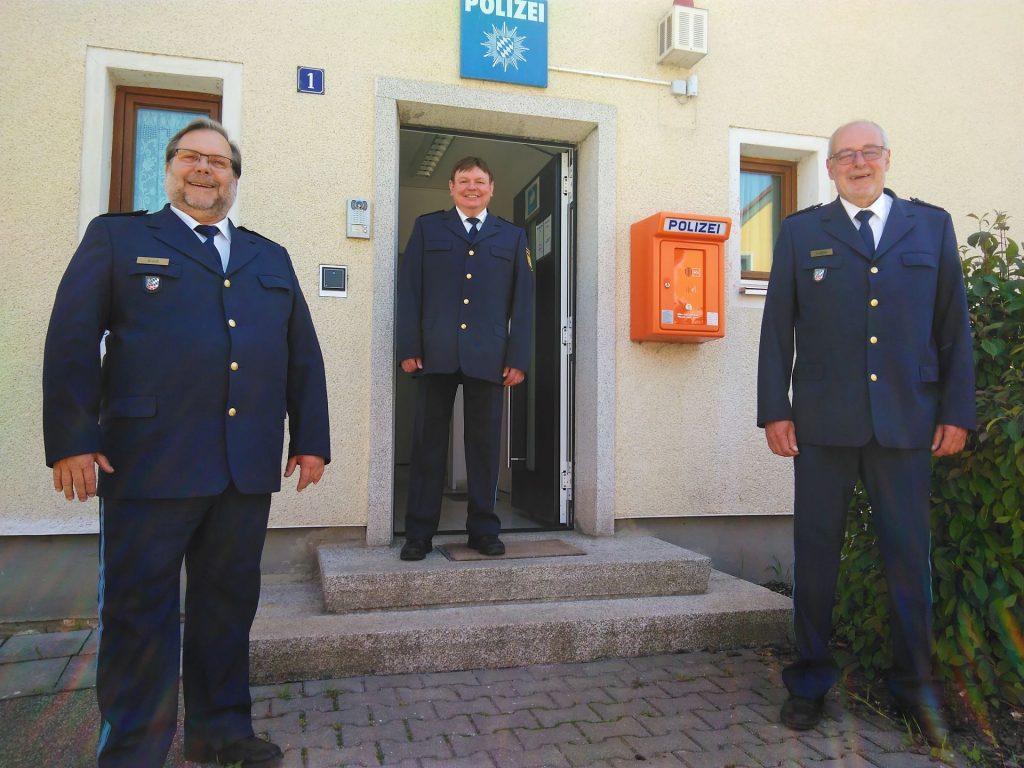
x=687 y=710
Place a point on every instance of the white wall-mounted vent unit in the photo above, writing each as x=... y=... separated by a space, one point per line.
x=683 y=36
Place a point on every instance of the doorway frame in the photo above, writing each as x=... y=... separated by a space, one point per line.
x=591 y=128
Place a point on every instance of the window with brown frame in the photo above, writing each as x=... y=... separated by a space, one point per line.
x=144 y=121
x=767 y=196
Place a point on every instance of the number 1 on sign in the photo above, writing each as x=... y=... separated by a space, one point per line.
x=310 y=80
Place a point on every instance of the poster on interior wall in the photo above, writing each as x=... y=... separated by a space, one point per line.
x=505 y=41
x=541 y=241
x=532 y=201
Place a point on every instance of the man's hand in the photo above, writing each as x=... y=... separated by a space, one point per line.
x=77 y=475
x=412 y=364
x=311 y=469
x=781 y=438
x=512 y=376
x=948 y=440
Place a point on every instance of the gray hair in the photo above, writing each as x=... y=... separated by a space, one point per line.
x=881 y=130
x=206 y=124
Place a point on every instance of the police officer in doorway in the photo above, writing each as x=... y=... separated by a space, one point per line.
x=868 y=293
x=464 y=318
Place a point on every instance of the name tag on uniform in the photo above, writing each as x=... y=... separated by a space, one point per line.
x=821 y=252
x=153 y=261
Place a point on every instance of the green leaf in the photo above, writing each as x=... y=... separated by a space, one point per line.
x=980 y=589
x=994 y=347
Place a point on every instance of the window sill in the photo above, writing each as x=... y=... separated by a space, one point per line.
x=754 y=287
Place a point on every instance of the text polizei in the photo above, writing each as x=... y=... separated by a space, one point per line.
x=694 y=226
x=522 y=10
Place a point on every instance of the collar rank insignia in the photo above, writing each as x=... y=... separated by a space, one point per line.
x=152 y=283
x=819 y=274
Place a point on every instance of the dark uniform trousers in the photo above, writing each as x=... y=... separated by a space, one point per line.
x=435 y=396
x=897 y=482
x=142 y=545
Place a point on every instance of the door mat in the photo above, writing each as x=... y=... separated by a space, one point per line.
x=513 y=549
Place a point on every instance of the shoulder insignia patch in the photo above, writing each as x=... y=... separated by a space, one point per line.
x=254 y=232
x=805 y=210
x=918 y=201
x=529 y=259
x=143 y=212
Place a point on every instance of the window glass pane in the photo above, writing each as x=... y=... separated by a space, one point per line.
x=760 y=220
x=153 y=129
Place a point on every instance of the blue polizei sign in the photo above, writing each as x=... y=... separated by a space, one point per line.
x=505 y=40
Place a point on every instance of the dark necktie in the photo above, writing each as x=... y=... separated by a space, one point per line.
x=473 y=229
x=865 y=231
x=210 y=231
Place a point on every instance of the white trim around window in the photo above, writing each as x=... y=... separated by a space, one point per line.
x=812 y=183
x=105 y=69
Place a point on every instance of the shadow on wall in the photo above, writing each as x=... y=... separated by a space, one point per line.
x=47 y=578
x=758 y=548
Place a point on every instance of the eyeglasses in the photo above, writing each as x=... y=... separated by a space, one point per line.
x=191 y=157
x=870 y=153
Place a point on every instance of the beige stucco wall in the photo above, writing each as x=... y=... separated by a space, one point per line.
x=685 y=441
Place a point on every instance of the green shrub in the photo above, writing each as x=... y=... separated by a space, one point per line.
x=977 y=525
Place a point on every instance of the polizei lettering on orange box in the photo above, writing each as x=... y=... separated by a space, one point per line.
x=694 y=226
x=524 y=10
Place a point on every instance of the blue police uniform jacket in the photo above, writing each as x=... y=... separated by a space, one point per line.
x=883 y=345
x=201 y=366
x=465 y=305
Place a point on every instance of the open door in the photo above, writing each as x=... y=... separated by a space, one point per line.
x=540 y=410
x=535 y=487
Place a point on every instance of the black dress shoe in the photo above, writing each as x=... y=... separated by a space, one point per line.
x=802 y=714
x=416 y=549
x=250 y=752
x=929 y=721
x=488 y=544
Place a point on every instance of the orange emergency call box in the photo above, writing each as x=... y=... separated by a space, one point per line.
x=677 y=277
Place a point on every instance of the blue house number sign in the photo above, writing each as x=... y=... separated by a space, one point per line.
x=310 y=80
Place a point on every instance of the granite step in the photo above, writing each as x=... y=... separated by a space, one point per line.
x=293 y=639
x=361 y=579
